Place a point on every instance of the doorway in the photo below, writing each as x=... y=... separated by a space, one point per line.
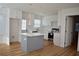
x=14 y=30
x=71 y=34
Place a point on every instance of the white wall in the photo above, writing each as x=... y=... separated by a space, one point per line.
x=61 y=21
x=15 y=13
x=4 y=26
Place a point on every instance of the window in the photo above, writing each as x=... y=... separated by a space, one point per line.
x=37 y=23
x=23 y=24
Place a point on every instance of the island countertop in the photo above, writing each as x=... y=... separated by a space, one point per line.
x=32 y=34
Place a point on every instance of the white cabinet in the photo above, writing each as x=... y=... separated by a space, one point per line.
x=56 y=39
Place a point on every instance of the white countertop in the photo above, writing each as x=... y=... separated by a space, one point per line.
x=31 y=34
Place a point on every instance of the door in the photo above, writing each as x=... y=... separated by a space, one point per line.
x=68 y=31
x=14 y=29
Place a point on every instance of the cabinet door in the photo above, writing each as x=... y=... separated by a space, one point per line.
x=23 y=43
x=56 y=39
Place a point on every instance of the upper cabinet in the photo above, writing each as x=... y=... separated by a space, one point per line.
x=50 y=20
x=15 y=13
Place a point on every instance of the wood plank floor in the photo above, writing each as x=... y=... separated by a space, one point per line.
x=49 y=49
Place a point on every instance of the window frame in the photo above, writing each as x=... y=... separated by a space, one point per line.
x=36 y=24
x=23 y=24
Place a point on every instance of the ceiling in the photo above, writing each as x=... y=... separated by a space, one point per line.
x=41 y=8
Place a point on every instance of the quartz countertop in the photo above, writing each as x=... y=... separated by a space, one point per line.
x=32 y=34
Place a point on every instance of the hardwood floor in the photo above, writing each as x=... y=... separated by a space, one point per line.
x=48 y=50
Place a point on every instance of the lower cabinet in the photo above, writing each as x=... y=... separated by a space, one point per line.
x=30 y=43
x=56 y=39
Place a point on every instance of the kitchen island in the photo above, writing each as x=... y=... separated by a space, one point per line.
x=31 y=41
